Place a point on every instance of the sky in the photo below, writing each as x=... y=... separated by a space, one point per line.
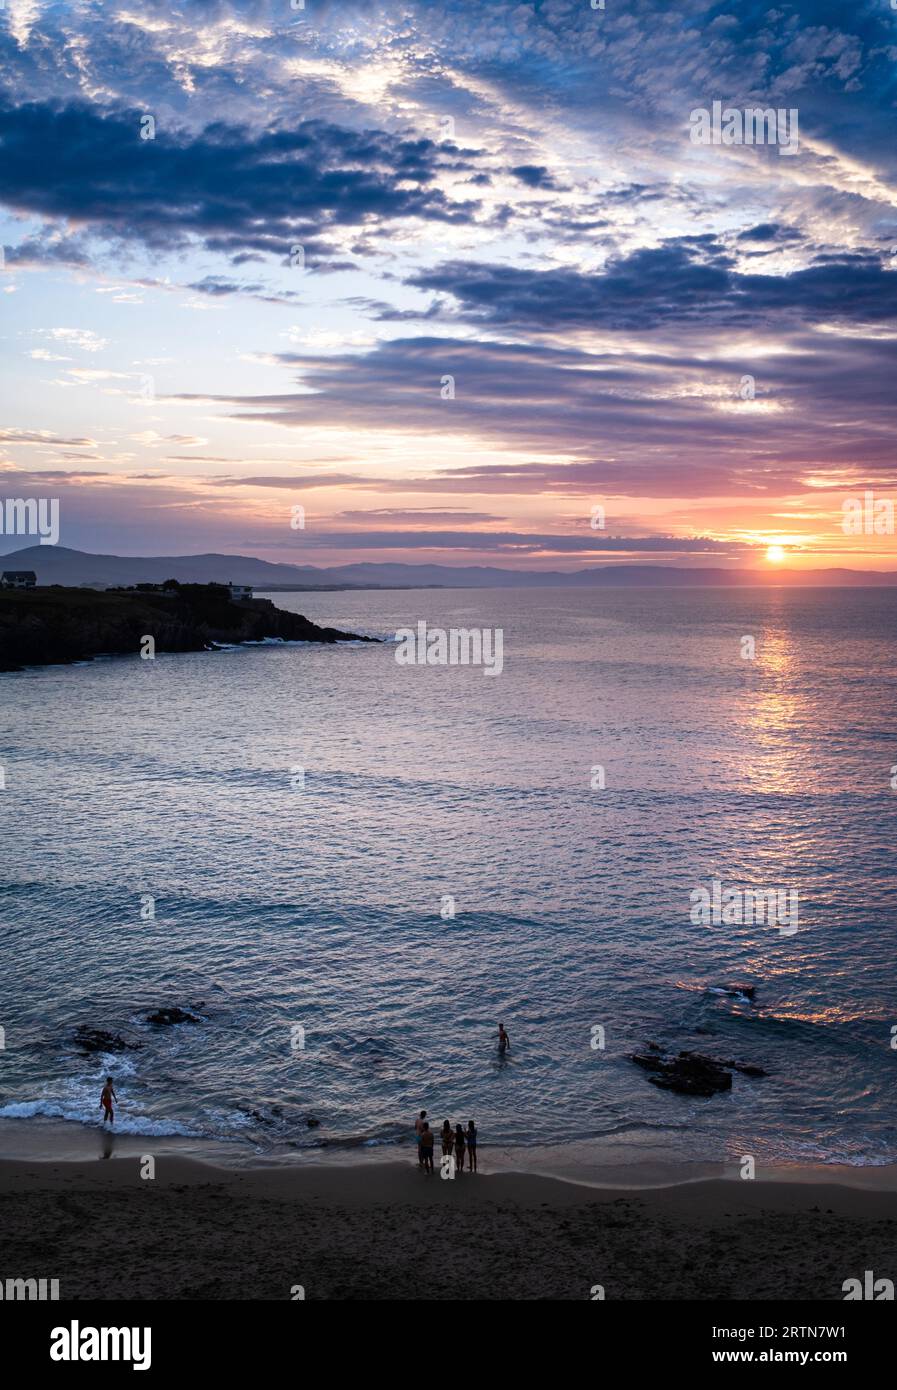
x=450 y=282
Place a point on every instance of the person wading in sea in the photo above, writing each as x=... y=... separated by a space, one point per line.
x=107 y=1097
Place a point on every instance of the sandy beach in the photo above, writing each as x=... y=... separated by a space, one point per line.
x=381 y=1230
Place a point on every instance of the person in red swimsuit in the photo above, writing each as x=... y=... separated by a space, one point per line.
x=106 y=1099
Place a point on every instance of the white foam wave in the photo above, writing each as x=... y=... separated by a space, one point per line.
x=80 y=1114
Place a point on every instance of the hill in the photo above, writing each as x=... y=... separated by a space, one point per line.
x=60 y=565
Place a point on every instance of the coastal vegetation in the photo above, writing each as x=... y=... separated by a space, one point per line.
x=53 y=624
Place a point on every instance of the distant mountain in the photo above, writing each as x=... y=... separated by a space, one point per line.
x=55 y=564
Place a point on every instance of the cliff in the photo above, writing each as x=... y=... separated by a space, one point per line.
x=47 y=626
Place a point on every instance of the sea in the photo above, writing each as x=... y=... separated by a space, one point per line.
x=350 y=869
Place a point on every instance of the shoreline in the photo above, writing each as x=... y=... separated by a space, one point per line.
x=58 y=625
x=49 y=1143
x=374 y=1231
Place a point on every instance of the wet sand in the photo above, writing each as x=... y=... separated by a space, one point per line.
x=382 y=1230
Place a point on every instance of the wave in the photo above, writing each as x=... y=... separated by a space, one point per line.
x=80 y=1114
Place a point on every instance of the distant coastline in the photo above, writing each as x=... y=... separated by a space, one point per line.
x=56 y=564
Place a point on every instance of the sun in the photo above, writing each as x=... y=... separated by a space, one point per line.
x=775 y=554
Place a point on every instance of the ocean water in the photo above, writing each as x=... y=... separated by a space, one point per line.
x=306 y=924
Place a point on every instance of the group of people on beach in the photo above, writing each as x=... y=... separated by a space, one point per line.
x=455 y=1144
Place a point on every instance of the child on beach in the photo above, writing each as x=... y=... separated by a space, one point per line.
x=471 y=1146
x=426 y=1148
x=448 y=1139
x=106 y=1099
x=460 y=1141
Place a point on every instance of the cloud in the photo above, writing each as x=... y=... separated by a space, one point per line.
x=235 y=188
x=667 y=423
x=680 y=284
x=220 y=287
x=588 y=278
x=423 y=516
x=300 y=483
x=15 y=436
x=521 y=542
x=83 y=338
x=534 y=176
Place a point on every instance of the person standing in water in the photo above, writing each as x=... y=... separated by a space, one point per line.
x=107 y=1097
x=471 y=1146
x=460 y=1142
x=504 y=1042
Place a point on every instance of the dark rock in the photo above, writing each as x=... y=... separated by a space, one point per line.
x=691 y=1073
x=647 y=1060
x=700 y=1059
x=55 y=623
x=312 y=1122
x=747 y=1068
x=99 y=1040
x=749 y=991
x=169 y=1016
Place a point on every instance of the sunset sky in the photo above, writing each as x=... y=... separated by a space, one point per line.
x=700 y=339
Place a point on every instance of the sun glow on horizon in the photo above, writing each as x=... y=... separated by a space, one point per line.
x=775 y=554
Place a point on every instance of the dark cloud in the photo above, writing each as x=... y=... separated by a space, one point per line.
x=534 y=176
x=235 y=188
x=679 y=284
x=519 y=542
x=220 y=287
x=771 y=231
x=45 y=249
x=639 y=422
x=423 y=516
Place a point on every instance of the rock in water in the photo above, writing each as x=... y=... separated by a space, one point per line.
x=167 y=1016
x=99 y=1040
x=691 y=1073
x=747 y=1068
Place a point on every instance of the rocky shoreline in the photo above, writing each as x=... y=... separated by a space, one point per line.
x=56 y=625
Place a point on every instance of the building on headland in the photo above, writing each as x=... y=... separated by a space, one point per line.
x=18 y=579
x=172 y=587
